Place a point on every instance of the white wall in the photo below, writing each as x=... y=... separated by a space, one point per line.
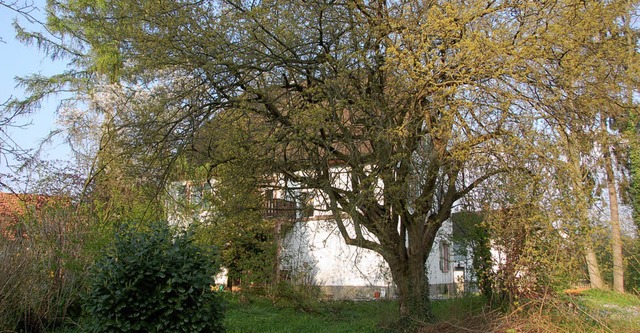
x=436 y=275
x=315 y=250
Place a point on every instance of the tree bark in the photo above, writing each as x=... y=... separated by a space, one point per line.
x=595 y=277
x=579 y=181
x=408 y=268
x=616 y=233
x=413 y=289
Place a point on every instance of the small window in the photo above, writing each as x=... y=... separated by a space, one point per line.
x=444 y=257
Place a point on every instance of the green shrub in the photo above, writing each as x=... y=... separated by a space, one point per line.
x=41 y=269
x=154 y=281
x=302 y=297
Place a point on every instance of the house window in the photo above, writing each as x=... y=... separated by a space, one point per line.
x=444 y=257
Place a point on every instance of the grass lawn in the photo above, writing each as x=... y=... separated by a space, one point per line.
x=260 y=315
x=591 y=311
x=613 y=311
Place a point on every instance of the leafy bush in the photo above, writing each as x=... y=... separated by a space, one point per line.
x=302 y=297
x=41 y=268
x=154 y=281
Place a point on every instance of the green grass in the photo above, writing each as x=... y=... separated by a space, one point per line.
x=593 y=311
x=260 y=315
x=459 y=308
x=612 y=311
x=602 y=298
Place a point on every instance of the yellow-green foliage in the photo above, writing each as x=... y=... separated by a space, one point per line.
x=423 y=102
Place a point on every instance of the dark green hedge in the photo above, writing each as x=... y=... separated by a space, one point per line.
x=154 y=281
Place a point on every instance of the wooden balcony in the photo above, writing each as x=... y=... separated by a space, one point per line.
x=280 y=209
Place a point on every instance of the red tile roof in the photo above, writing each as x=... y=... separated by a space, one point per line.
x=14 y=206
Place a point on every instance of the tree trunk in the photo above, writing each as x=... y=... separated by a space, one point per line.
x=616 y=234
x=410 y=277
x=595 y=277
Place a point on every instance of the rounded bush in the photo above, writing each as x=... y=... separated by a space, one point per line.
x=154 y=281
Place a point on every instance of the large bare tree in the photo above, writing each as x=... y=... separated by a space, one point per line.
x=418 y=102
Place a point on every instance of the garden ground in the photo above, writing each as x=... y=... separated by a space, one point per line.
x=590 y=311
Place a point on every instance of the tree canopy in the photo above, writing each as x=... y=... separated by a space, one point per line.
x=419 y=103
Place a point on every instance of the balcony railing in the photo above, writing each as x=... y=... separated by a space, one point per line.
x=280 y=208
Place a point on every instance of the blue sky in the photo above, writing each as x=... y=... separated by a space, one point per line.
x=17 y=59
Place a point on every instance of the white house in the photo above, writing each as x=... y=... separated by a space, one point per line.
x=313 y=251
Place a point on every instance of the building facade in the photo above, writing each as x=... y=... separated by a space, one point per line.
x=312 y=250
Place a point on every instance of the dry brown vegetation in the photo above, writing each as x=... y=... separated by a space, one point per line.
x=594 y=311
